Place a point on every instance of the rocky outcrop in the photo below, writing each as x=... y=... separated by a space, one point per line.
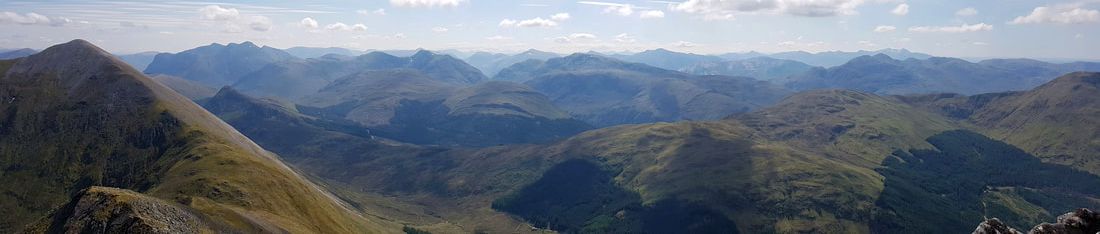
x=1081 y=221
x=113 y=210
x=995 y=226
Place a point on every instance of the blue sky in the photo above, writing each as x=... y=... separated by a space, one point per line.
x=988 y=28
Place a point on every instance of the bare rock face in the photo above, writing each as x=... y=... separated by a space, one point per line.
x=1083 y=221
x=995 y=226
x=112 y=210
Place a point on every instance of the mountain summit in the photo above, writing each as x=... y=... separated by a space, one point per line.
x=74 y=117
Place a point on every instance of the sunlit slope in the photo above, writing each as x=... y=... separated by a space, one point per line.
x=75 y=117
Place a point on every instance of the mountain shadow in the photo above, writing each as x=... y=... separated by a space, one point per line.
x=949 y=189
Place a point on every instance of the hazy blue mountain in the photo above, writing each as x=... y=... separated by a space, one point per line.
x=741 y=56
x=527 y=70
x=885 y=75
x=408 y=105
x=605 y=91
x=314 y=52
x=835 y=58
x=139 y=61
x=761 y=68
x=190 y=89
x=296 y=78
x=19 y=53
x=216 y=65
x=491 y=64
x=667 y=59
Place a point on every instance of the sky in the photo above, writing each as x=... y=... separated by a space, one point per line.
x=1067 y=29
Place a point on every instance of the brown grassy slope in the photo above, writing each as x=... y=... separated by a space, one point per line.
x=1055 y=121
x=77 y=117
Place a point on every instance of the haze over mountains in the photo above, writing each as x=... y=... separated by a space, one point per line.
x=655 y=142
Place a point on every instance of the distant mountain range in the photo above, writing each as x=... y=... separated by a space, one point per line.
x=139 y=61
x=315 y=52
x=492 y=63
x=835 y=58
x=666 y=59
x=216 y=65
x=885 y=75
x=762 y=68
x=604 y=91
x=294 y=79
x=19 y=53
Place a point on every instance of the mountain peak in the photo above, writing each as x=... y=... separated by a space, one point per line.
x=75 y=46
x=73 y=62
x=661 y=50
x=422 y=53
x=244 y=44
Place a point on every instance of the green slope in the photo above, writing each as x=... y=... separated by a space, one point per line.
x=76 y=117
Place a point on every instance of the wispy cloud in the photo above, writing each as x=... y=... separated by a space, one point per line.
x=965 y=28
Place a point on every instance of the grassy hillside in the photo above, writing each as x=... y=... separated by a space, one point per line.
x=1055 y=121
x=77 y=118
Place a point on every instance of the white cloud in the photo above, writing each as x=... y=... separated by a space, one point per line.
x=440 y=29
x=427 y=3
x=529 y=23
x=215 y=12
x=624 y=38
x=902 y=9
x=1079 y=36
x=560 y=17
x=953 y=29
x=807 y=8
x=576 y=37
x=27 y=19
x=1059 y=15
x=867 y=44
x=979 y=43
x=260 y=23
x=969 y=11
x=380 y=11
x=651 y=14
x=885 y=28
x=308 y=23
x=338 y=26
x=614 y=8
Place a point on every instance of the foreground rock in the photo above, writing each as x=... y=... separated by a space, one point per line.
x=113 y=210
x=1082 y=221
